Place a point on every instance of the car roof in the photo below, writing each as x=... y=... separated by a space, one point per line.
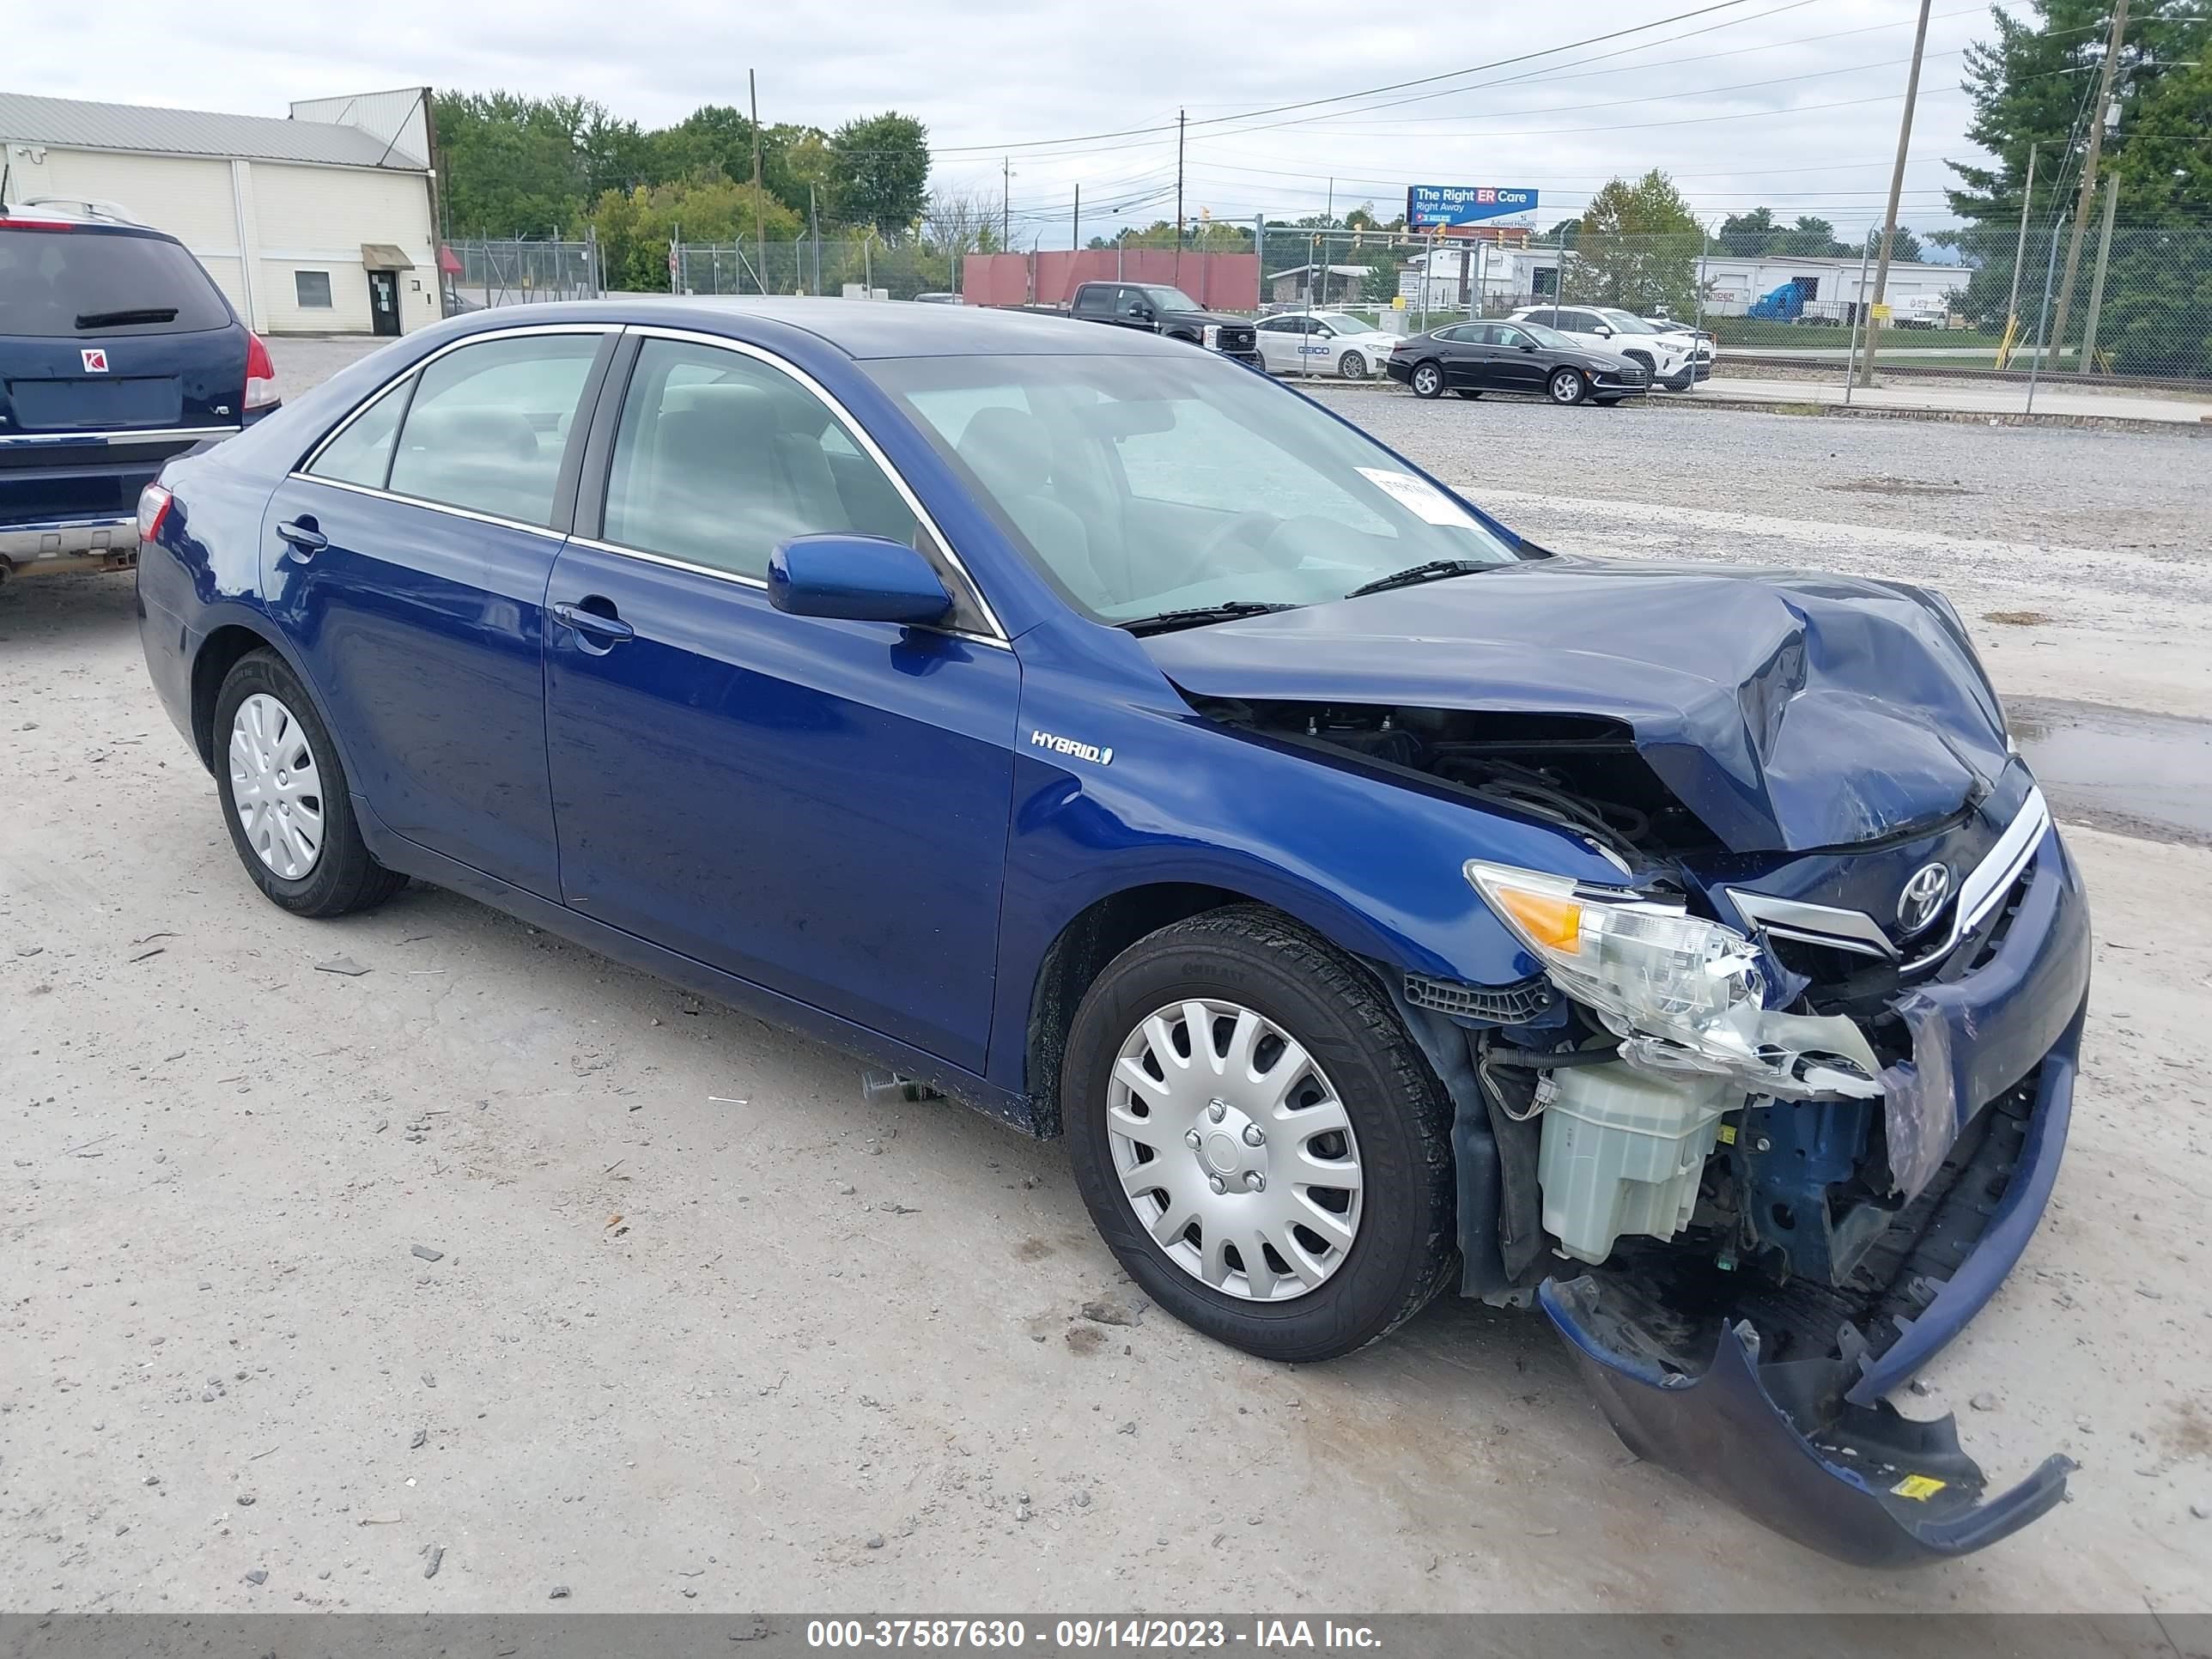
x=859 y=328
x=83 y=217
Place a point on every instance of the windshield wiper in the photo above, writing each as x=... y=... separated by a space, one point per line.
x=118 y=318
x=1198 y=616
x=1434 y=570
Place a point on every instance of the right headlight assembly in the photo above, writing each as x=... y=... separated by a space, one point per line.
x=1683 y=994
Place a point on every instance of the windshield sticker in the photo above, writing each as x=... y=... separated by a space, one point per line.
x=1425 y=500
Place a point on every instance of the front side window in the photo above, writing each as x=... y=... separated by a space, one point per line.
x=1138 y=485
x=490 y=422
x=720 y=457
x=1170 y=299
x=1130 y=304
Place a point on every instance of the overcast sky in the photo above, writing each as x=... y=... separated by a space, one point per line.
x=1793 y=103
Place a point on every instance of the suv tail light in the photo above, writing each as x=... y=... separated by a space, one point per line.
x=153 y=508
x=260 y=375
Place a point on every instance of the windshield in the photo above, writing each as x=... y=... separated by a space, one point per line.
x=1171 y=299
x=1546 y=336
x=1144 y=484
x=1627 y=322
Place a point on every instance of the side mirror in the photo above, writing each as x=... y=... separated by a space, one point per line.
x=1603 y=332
x=1528 y=345
x=857 y=577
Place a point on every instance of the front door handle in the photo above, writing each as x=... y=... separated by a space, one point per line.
x=304 y=539
x=595 y=618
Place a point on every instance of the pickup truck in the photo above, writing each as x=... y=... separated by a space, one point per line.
x=1161 y=310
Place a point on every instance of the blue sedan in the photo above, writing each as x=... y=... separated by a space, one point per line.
x=1116 y=740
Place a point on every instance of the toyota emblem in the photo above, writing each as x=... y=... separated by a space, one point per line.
x=1923 y=897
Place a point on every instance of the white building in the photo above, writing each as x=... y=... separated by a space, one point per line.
x=1489 y=275
x=322 y=223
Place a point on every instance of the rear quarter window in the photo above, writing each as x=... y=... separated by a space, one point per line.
x=86 y=284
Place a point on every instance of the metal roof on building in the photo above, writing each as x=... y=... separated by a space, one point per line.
x=75 y=124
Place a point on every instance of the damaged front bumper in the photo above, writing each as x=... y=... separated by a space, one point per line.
x=1771 y=1397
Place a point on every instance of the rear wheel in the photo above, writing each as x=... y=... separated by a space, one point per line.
x=284 y=798
x=1427 y=379
x=1568 y=385
x=1257 y=1137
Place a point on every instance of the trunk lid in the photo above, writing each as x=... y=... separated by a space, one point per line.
x=1789 y=710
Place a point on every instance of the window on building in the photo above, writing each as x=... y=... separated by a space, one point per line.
x=314 y=288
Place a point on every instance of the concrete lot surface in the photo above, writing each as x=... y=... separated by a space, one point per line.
x=701 y=1328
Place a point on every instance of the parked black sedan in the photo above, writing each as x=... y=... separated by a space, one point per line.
x=1472 y=358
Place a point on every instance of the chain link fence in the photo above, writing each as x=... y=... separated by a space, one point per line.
x=477 y=273
x=2138 y=313
x=861 y=267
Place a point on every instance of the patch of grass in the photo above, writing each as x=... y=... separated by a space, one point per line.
x=2018 y=618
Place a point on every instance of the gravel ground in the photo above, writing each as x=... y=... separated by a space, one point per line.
x=692 y=1326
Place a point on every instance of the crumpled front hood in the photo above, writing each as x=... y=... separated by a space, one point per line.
x=1787 y=710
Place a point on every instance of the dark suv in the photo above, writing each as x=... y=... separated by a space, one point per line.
x=117 y=352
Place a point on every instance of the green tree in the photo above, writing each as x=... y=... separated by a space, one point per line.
x=1749 y=235
x=514 y=165
x=634 y=226
x=880 y=169
x=1637 y=247
x=1810 y=239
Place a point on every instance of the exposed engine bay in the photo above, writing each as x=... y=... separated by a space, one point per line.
x=1715 y=1148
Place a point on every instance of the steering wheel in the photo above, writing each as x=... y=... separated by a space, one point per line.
x=1249 y=532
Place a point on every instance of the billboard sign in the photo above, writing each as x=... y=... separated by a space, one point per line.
x=1440 y=207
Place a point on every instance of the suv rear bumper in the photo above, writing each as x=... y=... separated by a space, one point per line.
x=52 y=545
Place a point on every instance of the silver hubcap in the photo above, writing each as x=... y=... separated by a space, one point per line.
x=1234 y=1150
x=1427 y=379
x=1566 y=388
x=275 y=787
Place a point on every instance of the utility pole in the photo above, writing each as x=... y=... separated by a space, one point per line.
x=760 y=211
x=1896 y=189
x=1075 y=231
x=2019 y=253
x=2096 y=282
x=1178 y=258
x=814 y=224
x=1005 y=205
x=2089 y=175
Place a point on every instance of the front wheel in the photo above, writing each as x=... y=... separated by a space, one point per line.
x=1351 y=366
x=1259 y=1141
x=1469 y=393
x=1568 y=385
x=1428 y=380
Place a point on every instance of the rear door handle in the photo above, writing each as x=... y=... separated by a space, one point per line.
x=306 y=540
x=604 y=625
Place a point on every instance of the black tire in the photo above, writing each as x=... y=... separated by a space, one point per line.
x=1427 y=379
x=1469 y=393
x=1351 y=366
x=1567 y=386
x=343 y=877
x=1404 y=1248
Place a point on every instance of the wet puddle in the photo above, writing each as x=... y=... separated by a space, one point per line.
x=2118 y=769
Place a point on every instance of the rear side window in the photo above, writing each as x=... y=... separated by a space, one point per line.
x=490 y=422
x=720 y=458
x=63 y=284
x=362 y=453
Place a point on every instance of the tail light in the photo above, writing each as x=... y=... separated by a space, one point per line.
x=153 y=511
x=260 y=375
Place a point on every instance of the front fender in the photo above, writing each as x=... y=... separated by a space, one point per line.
x=1127 y=786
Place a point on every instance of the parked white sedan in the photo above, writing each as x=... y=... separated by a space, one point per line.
x=1322 y=343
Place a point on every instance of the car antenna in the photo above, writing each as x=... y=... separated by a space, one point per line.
x=3 y=184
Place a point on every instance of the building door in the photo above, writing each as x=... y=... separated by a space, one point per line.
x=384 y=302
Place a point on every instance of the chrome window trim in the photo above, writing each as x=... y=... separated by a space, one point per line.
x=522 y=330
x=1813 y=924
x=469 y=513
x=782 y=365
x=104 y=439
